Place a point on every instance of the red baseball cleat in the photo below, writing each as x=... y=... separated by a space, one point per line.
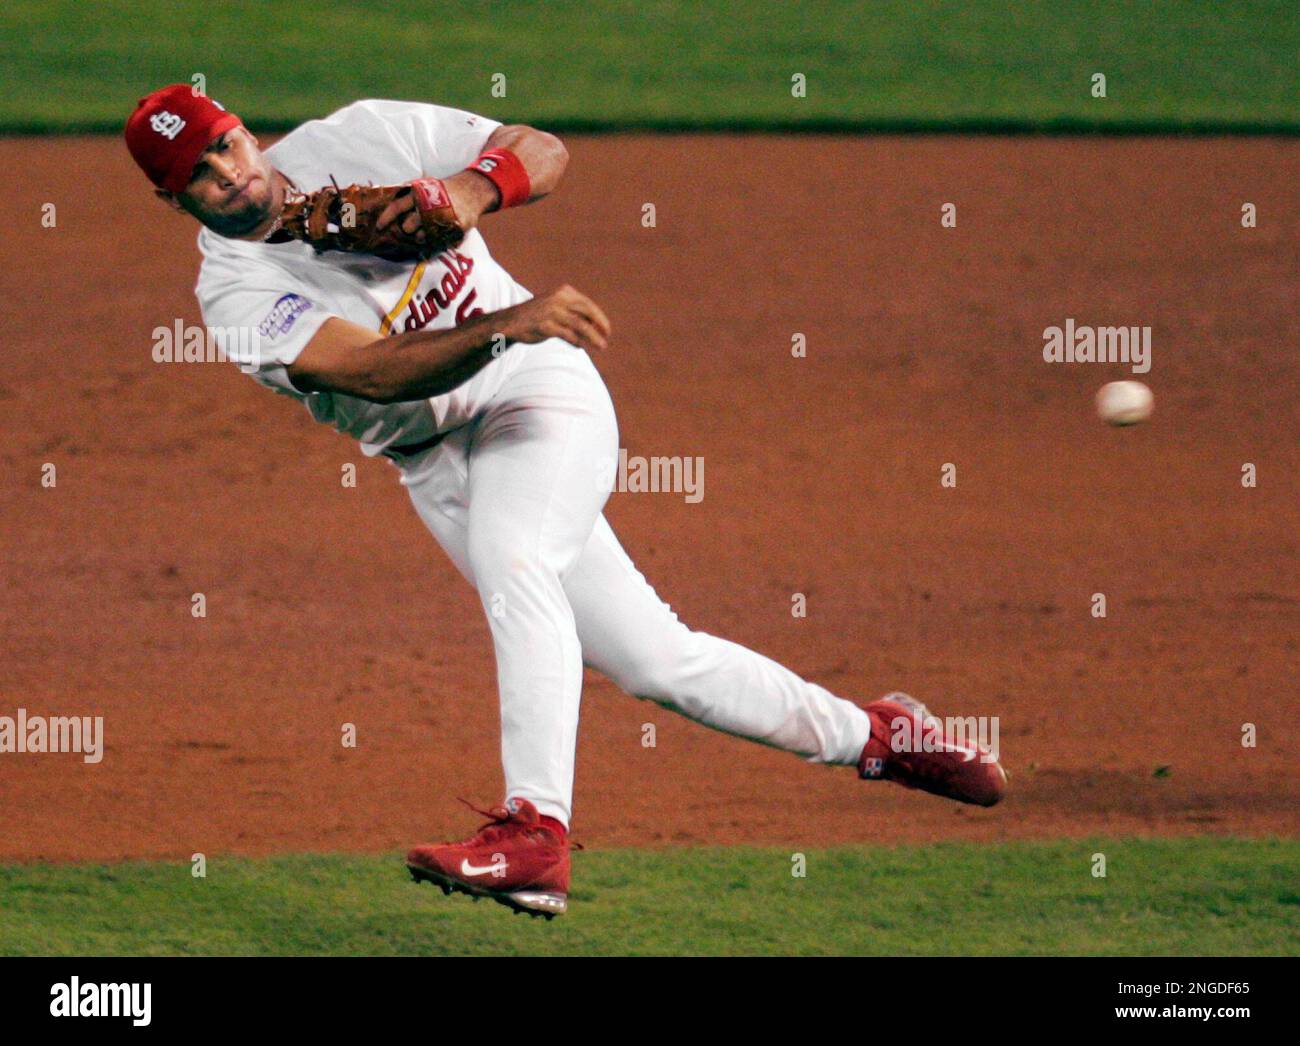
x=514 y=859
x=911 y=747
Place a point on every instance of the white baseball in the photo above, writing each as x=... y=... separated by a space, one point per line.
x=1124 y=402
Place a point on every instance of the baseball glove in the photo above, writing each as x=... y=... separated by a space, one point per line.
x=421 y=222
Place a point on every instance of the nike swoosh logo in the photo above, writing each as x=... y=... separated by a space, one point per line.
x=468 y=869
x=952 y=748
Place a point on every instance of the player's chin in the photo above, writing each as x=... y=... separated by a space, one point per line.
x=241 y=221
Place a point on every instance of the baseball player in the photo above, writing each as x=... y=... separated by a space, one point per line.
x=382 y=310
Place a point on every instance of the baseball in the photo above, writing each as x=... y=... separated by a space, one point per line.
x=1124 y=402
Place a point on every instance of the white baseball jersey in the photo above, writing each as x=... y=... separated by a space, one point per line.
x=286 y=291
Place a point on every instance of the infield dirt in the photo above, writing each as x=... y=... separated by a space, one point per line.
x=329 y=605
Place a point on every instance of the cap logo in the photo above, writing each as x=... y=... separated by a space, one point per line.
x=169 y=125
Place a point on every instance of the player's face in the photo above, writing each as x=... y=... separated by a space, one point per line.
x=231 y=191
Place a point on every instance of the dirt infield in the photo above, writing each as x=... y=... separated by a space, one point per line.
x=329 y=605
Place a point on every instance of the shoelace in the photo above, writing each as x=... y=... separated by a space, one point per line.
x=500 y=824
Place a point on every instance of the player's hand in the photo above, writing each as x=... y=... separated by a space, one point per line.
x=565 y=313
x=405 y=212
x=469 y=193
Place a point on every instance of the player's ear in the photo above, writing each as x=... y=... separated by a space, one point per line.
x=169 y=198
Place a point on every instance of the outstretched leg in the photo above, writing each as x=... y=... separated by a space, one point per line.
x=630 y=635
x=633 y=637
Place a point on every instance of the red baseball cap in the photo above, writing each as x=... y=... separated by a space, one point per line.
x=169 y=130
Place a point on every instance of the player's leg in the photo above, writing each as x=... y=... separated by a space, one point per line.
x=630 y=635
x=533 y=497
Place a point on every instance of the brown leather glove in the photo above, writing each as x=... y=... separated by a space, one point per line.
x=334 y=219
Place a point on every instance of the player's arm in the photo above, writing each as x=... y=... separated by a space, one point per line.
x=543 y=155
x=346 y=357
x=542 y=159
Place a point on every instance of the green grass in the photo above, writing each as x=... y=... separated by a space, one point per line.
x=1192 y=64
x=1207 y=896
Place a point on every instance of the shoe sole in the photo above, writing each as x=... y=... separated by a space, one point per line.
x=521 y=902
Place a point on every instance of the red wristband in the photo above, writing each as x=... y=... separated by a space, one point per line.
x=504 y=169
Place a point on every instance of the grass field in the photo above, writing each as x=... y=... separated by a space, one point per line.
x=667 y=63
x=1175 y=897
